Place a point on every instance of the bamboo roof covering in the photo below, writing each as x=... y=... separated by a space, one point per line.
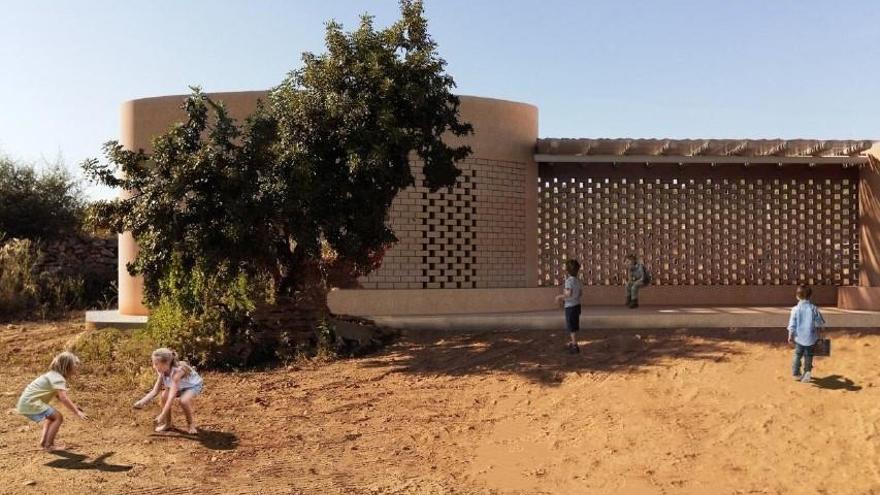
x=768 y=149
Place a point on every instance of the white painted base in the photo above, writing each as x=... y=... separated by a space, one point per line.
x=112 y=319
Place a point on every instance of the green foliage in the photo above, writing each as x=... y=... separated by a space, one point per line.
x=60 y=293
x=38 y=205
x=19 y=290
x=347 y=122
x=197 y=201
x=315 y=169
x=41 y=206
x=121 y=353
x=326 y=338
x=24 y=291
x=205 y=320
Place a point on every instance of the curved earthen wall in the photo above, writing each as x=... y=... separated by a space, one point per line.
x=481 y=234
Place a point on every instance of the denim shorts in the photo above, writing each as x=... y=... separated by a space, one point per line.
x=41 y=416
x=573 y=318
x=195 y=390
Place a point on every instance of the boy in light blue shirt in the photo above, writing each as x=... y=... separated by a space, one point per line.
x=803 y=329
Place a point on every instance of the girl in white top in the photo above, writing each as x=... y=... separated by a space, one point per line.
x=178 y=379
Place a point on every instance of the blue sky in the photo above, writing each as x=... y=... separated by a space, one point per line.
x=711 y=68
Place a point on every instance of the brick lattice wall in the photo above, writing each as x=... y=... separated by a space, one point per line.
x=472 y=236
x=701 y=231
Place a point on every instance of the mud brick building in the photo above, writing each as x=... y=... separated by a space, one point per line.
x=718 y=221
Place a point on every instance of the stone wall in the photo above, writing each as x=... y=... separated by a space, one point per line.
x=81 y=254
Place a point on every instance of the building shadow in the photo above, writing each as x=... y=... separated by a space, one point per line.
x=541 y=356
x=72 y=460
x=836 y=382
x=214 y=440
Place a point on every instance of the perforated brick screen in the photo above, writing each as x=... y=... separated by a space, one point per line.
x=779 y=228
x=472 y=236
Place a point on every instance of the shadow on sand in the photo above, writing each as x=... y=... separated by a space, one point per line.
x=214 y=440
x=836 y=382
x=72 y=460
x=541 y=355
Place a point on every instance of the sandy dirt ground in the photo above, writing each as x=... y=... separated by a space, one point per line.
x=506 y=412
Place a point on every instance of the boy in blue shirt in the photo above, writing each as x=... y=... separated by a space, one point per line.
x=571 y=301
x=803 y=329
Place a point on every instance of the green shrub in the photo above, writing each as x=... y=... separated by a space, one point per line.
x=26 y=292
x=326 y=341
x=19 y=289
x=38 y=205
x=207 y=322
x=60 y=293
x=293 y=344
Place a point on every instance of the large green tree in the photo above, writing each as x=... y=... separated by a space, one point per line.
x=38 y=204
x=315 y=169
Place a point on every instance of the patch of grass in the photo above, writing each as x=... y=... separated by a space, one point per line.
x=121 y=354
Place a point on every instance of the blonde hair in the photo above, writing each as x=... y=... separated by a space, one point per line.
x=64 y=364
x=166 y=355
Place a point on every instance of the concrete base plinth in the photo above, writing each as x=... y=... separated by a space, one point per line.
x=591 y=317
x=401 y=302
x=624 y=318
x=113 y=319
x=860 y=298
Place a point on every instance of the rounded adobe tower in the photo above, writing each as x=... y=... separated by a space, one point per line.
x=503 y=178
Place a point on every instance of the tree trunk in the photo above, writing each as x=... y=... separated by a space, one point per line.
x=293 y=321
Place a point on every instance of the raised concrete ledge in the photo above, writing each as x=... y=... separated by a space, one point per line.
x=623 y=318
x=864 y=298
x=673 y=317
x=367 y=302
x=113 y=319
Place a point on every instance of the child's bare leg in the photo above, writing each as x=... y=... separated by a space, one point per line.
x=186 y=403
x=53 y=424
x=165 y=426
x=46 y=423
